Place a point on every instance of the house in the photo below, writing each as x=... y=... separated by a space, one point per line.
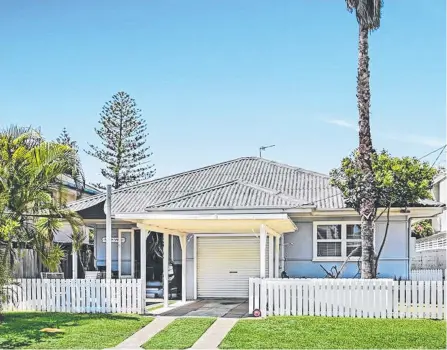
x=70 y=194
x=28 y=263
x=430 y=252
x=227 y=222
x=440 y=195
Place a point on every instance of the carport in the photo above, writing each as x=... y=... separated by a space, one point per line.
x=248 y=229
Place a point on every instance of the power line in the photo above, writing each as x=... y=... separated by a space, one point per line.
x=440 y=149
x=436 y=150
x=439 y=155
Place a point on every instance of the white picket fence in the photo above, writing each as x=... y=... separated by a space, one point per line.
x=75 y=295
x=426 y=275
x=380 y=298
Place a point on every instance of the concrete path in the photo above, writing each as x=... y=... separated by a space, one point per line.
x=215 y=334
x=143 y=335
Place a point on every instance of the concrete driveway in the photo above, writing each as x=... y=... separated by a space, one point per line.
x=227 y=308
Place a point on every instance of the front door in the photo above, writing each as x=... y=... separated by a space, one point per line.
x=125 y=254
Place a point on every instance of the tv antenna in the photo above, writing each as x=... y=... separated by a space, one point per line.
x=263 y=148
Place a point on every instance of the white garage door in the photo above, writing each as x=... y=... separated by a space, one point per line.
x=224 y=265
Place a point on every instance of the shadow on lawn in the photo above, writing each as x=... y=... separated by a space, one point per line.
x=21 y=329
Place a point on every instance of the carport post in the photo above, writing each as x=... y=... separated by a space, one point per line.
x=165 y=269
x=271 y=247
x=74 y=257
x=109 y=232
x=262 y=243
x=143 y=236
x=183 y=243
x=277 y=256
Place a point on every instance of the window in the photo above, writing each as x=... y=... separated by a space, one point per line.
x=335 y=241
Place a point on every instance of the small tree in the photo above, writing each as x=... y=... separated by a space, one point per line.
x=30 y=173
x=123 y=138
x=65 y=139
x=398 y=182
x=422 y=229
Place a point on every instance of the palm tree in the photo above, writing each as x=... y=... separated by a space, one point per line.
x=30 y=183
x=368 y=13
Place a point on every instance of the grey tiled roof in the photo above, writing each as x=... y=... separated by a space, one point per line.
x=248 y=182
x=232 y=194
x=290 y=184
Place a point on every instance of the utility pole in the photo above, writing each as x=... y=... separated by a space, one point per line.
x=263 y=148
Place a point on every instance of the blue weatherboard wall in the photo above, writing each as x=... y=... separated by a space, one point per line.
x=298 y=251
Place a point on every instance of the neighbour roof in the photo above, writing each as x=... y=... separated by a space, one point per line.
x=69 y=182
x=248 y=182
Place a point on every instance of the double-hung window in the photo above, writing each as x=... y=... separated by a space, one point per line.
x=335 y=241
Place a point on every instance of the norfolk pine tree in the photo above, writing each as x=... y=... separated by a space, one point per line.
x=123 y=149
x=65 y=139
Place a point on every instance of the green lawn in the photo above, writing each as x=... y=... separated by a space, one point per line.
x=88 y=331
x=180 y=334
x=335 y=333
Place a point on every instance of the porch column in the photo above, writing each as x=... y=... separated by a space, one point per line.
x=262 y=242
x=74 y=259
x=165 y=269
x=277 y=256
x=143 y=237
x=109 y=232
x=183 y=243
x=271 y=247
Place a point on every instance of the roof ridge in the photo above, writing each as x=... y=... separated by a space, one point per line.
x=178 y=174
x=101 y=196
x=191 y=194
x=123 y=189
x=271 y=191
x=228 y=183
x=292 y=167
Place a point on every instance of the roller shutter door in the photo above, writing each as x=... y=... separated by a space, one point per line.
x=224 y=265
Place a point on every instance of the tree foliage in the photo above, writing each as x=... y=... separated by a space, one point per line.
x=65 y=139
x=367 y=12
x=30 y=178
x=398 y=182
x=123 y=150
x=422 y=229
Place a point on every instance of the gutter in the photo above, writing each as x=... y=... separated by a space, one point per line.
x=201 y=216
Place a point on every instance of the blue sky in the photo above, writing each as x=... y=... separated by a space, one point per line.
x=217 y=79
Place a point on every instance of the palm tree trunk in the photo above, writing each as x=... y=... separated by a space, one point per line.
x=367 y=206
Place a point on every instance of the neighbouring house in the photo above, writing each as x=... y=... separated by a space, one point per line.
x=70 y=193
x=430 y=252
x=440 y=195
x=28 y=264
x=222 y=224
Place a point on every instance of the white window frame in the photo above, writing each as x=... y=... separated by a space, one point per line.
x=343 y=240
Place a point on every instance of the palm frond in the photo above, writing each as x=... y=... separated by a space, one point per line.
x=368 y=12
